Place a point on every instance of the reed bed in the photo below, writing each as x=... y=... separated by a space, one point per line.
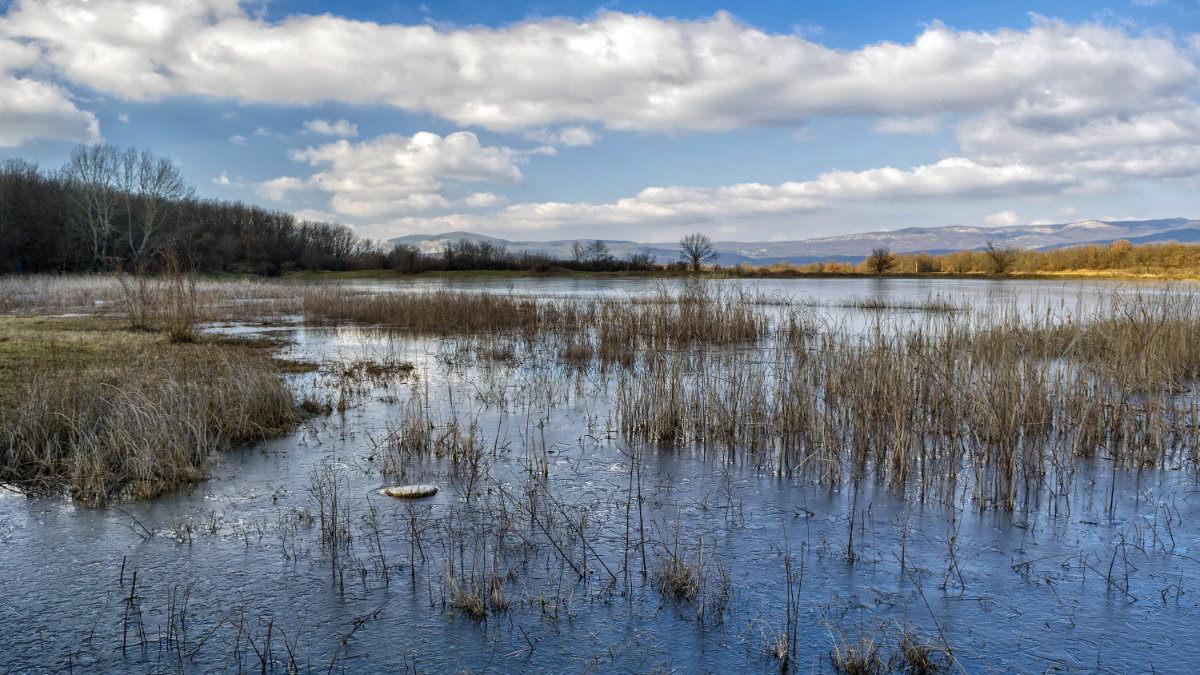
x=140 y=429
x=999 y=407
x=928 y=304
x=701 y=314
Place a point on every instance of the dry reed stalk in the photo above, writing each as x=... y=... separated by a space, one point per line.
x=142 y=429
x=1006 y=403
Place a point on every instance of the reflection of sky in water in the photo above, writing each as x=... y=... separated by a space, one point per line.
x=61 y=592
x=978 y=293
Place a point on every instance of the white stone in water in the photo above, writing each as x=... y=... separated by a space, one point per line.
x=410 y=491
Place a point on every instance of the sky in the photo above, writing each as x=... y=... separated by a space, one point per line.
x=640 y=121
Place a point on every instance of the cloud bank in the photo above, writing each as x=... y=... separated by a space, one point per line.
x=953 y=178
x=622 y=71
x=1055 y=108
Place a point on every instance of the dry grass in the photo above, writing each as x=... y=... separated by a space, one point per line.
x=699 y=579
x=1000 y=405
x=1003 y=405
x=141 y=299
x=107 y=414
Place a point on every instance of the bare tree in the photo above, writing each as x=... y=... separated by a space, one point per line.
x=881 y=260
x=597 y=251
x=578 y=251
x=155 y=184
x=91 y=174
x=640 y=260
x=696 y=249
x=1002 y=258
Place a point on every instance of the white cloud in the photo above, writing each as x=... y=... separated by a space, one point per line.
x=751 y=203
x=341 y=128
x=997 y=135
x=1151 y=144
x=927 y=124
x=315 y=216
x=568 y=136
x=237 y=139
x=483 y=199
x=223 y=179
x=123 y=118
x=1002 y=219
x=621 y=70
x=396 y=174
x=277 y=189
x=33 y=109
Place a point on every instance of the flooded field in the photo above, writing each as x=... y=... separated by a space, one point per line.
x=817 y=476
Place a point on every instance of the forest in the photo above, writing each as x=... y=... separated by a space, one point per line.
x=108 y=208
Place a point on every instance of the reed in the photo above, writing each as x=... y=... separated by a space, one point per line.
x=140 y=428
x=1001 y=406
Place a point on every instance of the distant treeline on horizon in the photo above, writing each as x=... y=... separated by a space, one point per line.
x=108 y=208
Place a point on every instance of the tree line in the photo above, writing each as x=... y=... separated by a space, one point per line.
x=109 y=208
x=995 y=259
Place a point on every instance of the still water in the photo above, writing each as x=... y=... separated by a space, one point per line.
x=232 y=574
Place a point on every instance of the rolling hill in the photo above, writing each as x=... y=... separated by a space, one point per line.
x=854 y=247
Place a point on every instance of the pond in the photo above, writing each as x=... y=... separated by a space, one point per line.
x=558 y=542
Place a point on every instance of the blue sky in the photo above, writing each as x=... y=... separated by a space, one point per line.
x=628 y=120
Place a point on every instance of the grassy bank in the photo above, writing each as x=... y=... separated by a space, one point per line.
x=101 y=412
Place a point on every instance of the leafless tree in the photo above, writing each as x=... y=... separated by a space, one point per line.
x=641 y=260
x=696 y=249
x=91 y=174
x=1002 y=258
x=597 y=251
x=881 y=260
x=157 y=184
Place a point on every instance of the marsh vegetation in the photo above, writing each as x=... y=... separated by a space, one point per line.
x=701 y=474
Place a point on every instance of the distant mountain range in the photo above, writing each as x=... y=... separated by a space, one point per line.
x=854 y=247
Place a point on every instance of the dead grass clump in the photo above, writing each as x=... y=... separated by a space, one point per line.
x=699 y=314
x=476 y=598
x=917 y=657
x=375 y=371
x=678 y=580
x=469 y=602
x=141 y=428
x=862 y=656
x=870 y=653
x=700 y=580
